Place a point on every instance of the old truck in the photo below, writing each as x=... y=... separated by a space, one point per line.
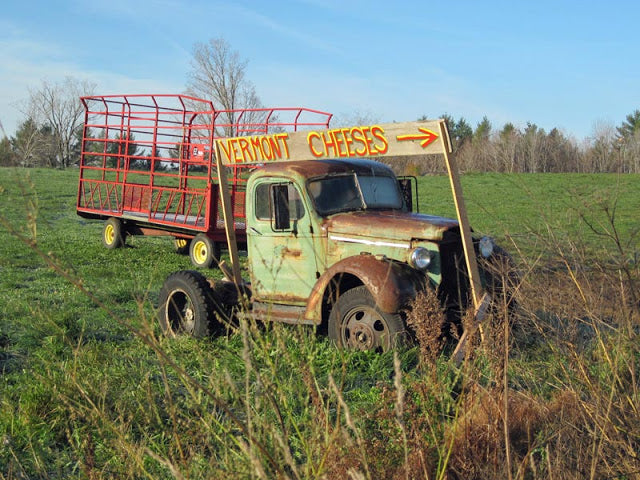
x=333 y=238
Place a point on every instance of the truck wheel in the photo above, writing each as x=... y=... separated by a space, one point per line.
x=187 y=305
x=203 y=251
x=113 y=235
x=357 y=323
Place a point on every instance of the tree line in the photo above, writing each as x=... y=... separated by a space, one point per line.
x=533 y=150
x=51 y=132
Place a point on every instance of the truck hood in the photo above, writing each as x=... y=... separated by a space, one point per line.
x=390 y=225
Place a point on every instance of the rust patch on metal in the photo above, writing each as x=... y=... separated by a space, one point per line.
x=287 y=252
x=281 y=313
x=155 y=232
x=390 y=225
x=392 y=284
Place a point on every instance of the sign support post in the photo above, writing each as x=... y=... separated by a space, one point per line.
x=227 y=215
x=479 y=300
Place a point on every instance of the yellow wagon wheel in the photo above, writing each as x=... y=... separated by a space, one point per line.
x=203 y=251
x=181 y=245
x=113 y=234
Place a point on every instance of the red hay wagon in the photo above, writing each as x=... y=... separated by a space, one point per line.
x=148 y=167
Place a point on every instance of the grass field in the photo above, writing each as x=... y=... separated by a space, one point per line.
x=90 y=389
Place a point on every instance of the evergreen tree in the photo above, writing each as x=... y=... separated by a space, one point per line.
x=120 y=146
x=76 y=146
x=25 y=144
x=508 y=130
x=7 y=157
x=483 y=130
x=628 y=129
x=460 y=131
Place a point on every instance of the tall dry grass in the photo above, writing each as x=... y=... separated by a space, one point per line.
x=550 y=391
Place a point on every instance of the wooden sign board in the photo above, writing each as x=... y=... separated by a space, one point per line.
x=372 y=141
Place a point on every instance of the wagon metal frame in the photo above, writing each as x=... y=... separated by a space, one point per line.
x=149 y=161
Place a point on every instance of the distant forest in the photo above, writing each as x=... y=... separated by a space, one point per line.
x=481 y=149
x=51 y=135
x=533 y=150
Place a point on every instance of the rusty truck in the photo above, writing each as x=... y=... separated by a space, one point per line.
x=334 y=238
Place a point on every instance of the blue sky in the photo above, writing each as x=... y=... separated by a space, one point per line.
x=572 y=65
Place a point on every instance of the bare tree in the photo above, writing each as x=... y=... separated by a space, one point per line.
x=629 y=152
x=58 y=107
x=355 y=117
x=600 y=152
x=218 y=74
x=27 y=145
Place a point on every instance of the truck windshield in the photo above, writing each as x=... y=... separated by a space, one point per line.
x=347 y=192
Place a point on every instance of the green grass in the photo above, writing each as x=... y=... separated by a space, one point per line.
x=90 y=389
x=522 y=206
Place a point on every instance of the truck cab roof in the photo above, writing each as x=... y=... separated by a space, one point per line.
x=317 y=168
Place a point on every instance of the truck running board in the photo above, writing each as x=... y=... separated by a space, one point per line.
x=280 y=313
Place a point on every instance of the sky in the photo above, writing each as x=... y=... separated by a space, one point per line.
x=571 y=65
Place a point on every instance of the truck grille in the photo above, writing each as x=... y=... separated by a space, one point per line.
x=454 y=290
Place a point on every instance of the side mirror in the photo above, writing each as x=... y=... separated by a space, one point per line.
x=406 y=188
x=280 y=202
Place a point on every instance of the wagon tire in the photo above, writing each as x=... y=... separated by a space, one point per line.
x=357 y=323
x=181 y=245
x=188 y=305
x=113 y=233
x=203 y=251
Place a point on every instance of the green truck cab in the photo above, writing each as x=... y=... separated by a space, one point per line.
x=331 y=243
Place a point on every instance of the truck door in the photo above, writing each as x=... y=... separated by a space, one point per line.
x=281 y=255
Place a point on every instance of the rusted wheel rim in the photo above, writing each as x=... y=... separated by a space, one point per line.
x=364 y=328
x=180 y=312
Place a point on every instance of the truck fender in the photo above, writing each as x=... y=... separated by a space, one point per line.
x=392 y=284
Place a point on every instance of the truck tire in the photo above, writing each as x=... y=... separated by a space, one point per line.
x=187 y=305
x=203 y=251
x=357 y=323
x=113 y=234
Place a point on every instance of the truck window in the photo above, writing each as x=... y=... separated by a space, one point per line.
x=380 y=192
x=347 y=192
x=262 y=202
x=263 y=206
x=335 y=194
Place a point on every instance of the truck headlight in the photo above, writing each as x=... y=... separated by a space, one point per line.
x=486 y=246
x=420 y=258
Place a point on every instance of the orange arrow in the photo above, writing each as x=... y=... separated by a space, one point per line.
x=427 y=137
